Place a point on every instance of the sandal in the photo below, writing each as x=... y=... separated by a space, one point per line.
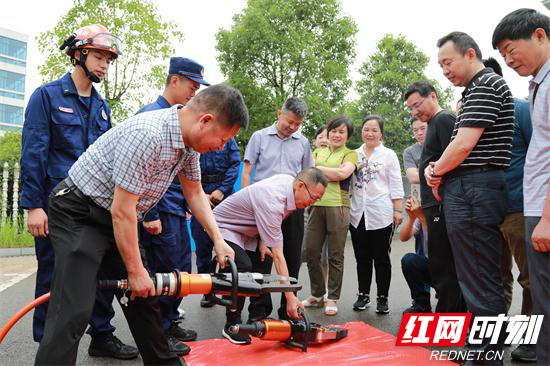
x=331 y=308
x=313 y=302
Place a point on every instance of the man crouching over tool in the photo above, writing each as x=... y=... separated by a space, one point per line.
x=94 y=213
x=251 y=219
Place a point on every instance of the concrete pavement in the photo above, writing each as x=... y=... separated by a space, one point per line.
x=19 y=349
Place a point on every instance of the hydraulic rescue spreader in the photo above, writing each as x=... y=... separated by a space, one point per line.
x=180 y=284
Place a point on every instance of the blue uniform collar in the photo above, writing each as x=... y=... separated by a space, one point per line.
x=68 y=86
x=162 y=102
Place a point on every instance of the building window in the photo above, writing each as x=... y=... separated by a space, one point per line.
x=12 y=95
x=12 y=81
x=11 y=114
x=12 y=61
x=13 y=48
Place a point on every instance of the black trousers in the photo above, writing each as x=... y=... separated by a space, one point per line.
x=442 y=265
x=243 y=263
x=372 y=247
x=82 y=236
x=293 y=235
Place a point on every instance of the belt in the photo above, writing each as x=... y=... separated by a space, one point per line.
x=71 y=187
x=211 y=178
x=467 y=170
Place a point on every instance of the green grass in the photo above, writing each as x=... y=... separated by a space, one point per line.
x=11 y=238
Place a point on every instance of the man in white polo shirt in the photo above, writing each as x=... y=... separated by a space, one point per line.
x=523 y=39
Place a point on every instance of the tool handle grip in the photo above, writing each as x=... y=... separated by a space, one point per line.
x=112 y=285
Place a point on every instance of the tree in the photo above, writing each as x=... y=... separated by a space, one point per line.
x=10 y=148
x=281 y=48
x=147 y=45
x=386 y=74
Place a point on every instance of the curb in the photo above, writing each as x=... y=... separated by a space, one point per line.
x=16 y=252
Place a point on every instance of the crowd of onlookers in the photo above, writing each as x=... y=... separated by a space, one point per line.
x=480 y=193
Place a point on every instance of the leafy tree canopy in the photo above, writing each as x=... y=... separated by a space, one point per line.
x=386 y=74
x=10 y=148
x=147 y=44
x=281 y=48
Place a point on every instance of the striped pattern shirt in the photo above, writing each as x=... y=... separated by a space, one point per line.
x=142 y=155
x=488 y=103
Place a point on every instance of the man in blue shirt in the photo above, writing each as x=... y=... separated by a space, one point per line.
x=165 y=237
x=62 y=119
x=219 y=172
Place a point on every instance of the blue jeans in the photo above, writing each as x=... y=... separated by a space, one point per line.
x=539 y=276
x=474 y=207
x=417 y=274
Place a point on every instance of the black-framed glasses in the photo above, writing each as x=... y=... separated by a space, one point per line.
x=416 y=105
x=308 y=192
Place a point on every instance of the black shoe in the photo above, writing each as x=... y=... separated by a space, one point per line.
x=113 y=347
x=206 y=302
x=235 y=338
x=382 y=305
x=175 y=346
x=417 y=307
x=525 y=353
x=363 y=302
x=184 y=335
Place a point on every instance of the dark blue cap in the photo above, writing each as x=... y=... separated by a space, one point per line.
x=188 y=68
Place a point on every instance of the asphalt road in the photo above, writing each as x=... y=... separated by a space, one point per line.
x=19 y=349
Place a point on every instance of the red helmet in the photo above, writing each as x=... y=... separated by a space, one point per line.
x=94 y=36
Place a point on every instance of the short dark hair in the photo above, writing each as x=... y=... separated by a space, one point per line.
x=339 y=121
x=493 y=64
x=320 y=130
x=169 y=78
x=377 y=118
x=520 y=24
x=224 y=101
x=413 y=120
x=295 y=105
x=312 y=175
x=422 y=87
x=462 y=42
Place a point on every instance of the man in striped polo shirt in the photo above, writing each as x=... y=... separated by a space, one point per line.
x=471 y=170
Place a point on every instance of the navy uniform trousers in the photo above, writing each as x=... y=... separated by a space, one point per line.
x=165 y=252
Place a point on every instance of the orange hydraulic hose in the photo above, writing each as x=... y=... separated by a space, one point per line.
x=42 y=299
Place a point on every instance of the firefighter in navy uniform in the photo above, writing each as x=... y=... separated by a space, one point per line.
x=62 y=119
x=164 y=234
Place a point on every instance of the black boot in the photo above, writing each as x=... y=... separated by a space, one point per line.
x=184 y=335
x=177 y=347
x=111 y=346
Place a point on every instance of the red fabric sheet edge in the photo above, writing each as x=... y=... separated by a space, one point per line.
x=364 y=345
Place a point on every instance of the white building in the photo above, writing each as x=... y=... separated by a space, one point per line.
x=13 y=63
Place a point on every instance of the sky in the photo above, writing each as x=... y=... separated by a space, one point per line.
x=421 y=22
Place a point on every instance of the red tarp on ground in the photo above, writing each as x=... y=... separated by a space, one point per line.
x=364 y=345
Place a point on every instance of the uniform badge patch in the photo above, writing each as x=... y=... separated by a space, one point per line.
x=66 y=109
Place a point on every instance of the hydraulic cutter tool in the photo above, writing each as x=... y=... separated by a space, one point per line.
x=295 y=333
